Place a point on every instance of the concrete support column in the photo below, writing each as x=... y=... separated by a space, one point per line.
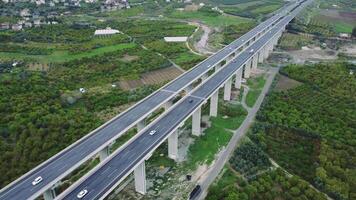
x=227 y=90
x=214 y=104
x=265 y=53
x=49 y=194
x=260 y=56
x=196 y=119
x=167 y=105
x=173 y=145
x=247 y=68
x=254 y=61
x=104 y=153
x=141 y=125
x=217 y=67
x=238 y=78
x=204 y=77
x=140 y=178
x=188 y=89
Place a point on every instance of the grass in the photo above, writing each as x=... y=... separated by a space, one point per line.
x=206 y=146
x=187 y=60
x=255 y=85
x=63 y=56
x=252 y=97
x=266 y=9
x=213 y=21
x=342 y=27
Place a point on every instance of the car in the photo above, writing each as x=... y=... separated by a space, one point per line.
x=190 y=100
x=251 y=51
x=153 y=132
x=37 y=180
x=82 y=193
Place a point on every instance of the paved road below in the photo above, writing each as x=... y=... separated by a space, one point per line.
x=241 y=131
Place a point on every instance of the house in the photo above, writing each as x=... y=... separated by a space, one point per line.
x=28 y=24
x=106 y=32
x=16 y=27
x=344 y=35
x=4 y=26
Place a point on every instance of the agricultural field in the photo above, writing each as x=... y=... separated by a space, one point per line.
x=291 y=41
x=210 y=18
x=322 y=110
x=256 y=10
x=274 y=184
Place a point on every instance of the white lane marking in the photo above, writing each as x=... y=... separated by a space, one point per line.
x=169 y=91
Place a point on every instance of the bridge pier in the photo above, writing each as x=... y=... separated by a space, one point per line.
x=260 y=56
x=254 y=61
x=247 y=68
x=217 y=66
x=238 y=78
x=204 y=77
x=49 y=194
x=265 y=52
x=141 y=125
x=214 y=104
x=104 y=153
x=173 y=145
x=196 y=120
x=167 y=105
x=227 y=90
x=140 y=178
x=188 y=89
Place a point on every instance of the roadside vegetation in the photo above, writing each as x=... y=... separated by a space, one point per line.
x=255 y=87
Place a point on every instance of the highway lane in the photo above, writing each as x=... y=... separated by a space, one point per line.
x=70 y=158
x=107 y=175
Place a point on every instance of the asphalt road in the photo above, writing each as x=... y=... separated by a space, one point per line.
x=107 y=175
x=70 y=158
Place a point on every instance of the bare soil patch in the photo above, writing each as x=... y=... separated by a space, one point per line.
x=151 y=78
x=129 y=58
x=285 y=83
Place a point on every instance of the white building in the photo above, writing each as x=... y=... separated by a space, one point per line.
x=106 y=32
x=175 y=39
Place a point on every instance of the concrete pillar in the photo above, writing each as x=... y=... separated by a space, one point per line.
x=247 y=68
x=204 y=77
x=141 y=125
x=227 y=90
x=238 y=78
x=49 y=194
x=265 y=52
x=140 y=178
x=167 y=105
x=173 y=145
x=188 y=89
x=214 y=104
x=196 y=120
x=104 y=153
x=260 y=56
x=254 y=61
x=218 y=66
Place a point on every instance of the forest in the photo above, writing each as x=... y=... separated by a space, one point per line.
x=318 y=119
x=308 y=130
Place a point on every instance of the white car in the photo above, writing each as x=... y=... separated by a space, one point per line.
x=251 y=51
x=37 y=180
x=82 y=193
x=152 y=132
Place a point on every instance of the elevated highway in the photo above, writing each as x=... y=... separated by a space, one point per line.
x=98 y=141
x=131 y=157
